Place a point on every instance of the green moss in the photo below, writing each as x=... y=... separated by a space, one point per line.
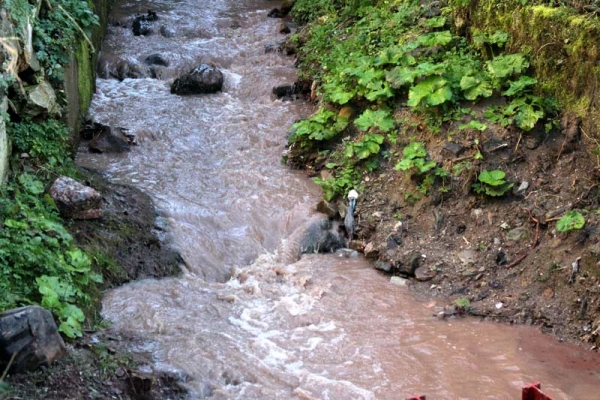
x=86 y=75
x=563 y=47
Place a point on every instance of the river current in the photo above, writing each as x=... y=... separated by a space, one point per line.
x=246 y=320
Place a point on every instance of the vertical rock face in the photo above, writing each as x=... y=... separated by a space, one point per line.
x=29 y=335
x=4 y=151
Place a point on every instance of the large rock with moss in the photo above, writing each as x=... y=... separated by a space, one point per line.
x=29 y=339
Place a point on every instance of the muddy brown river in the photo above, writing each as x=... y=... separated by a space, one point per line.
x=246 y=320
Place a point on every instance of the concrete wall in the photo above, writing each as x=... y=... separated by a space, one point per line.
x=4 y=147
x=80 y=75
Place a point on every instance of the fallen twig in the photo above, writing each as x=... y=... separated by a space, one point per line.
x=516 y=262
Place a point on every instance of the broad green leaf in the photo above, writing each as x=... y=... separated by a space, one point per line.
x=414 y=150
x=506 y=65
x=433 y=91
x=516 y=87
x=527 y=116
x=571 y=220
x=380 y=119
x=434 y=39
x=340 y=96
x=493 y=178
x=474 y=87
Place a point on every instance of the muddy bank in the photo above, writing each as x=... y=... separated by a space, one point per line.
x=127 y=243
x=424 y=212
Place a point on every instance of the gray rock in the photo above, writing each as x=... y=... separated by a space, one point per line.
x=424 y=274
x=383 y=266
x=452 y=149
x=31 y=334
x=467 y=257
x=398 y=281
x=371 y=252
x=108 y=140
x=202 y=79
x=75 y=200
x=322 y=237
x=142 y=24
x=522 y=188
x=409 y=265
x=517 y=234
x=167 y=32
x=327 y=208
x=42 y=99
x=157 y=59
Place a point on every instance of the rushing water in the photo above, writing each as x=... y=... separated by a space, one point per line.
x=322 y=327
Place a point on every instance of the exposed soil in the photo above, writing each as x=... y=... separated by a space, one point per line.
x=101 y=365
x=455 y=244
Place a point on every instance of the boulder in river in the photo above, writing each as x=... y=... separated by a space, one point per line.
x=322 y=237
x=105 y=139
x=29 y=337
x=156 y=59
x=75 y=200
x=202 y=79
x=142 y=24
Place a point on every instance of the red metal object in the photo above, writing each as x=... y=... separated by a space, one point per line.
x=533 y=392
x=416 y=398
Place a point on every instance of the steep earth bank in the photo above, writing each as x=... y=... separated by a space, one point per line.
x=424 y=211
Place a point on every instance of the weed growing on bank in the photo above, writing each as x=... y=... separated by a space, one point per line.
x=39 y=261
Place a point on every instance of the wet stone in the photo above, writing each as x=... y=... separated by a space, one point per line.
x=157 y=59
x=202 y=79
x=383 y=266
x=327 y=208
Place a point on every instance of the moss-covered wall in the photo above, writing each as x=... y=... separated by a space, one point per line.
x=4 y=145
x=564 y=48
x=80 y=75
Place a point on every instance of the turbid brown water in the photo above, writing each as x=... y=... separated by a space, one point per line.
x=323 y=327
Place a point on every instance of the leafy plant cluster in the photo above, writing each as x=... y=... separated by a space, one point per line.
x=39 y=263
x=46 y=142
x=390 y=54
x=492 y=183
x=416 y=163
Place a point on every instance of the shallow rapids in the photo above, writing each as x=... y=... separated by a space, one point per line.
x=244 y=321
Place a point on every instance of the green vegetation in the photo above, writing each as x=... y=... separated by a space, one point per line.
x=39 y=261
x=570 y=221
x=384 y=56
x=492 y=183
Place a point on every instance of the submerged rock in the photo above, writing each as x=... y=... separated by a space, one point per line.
x=322 y=237
x=29 y=337
x=202 y=79
x=75 y=200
